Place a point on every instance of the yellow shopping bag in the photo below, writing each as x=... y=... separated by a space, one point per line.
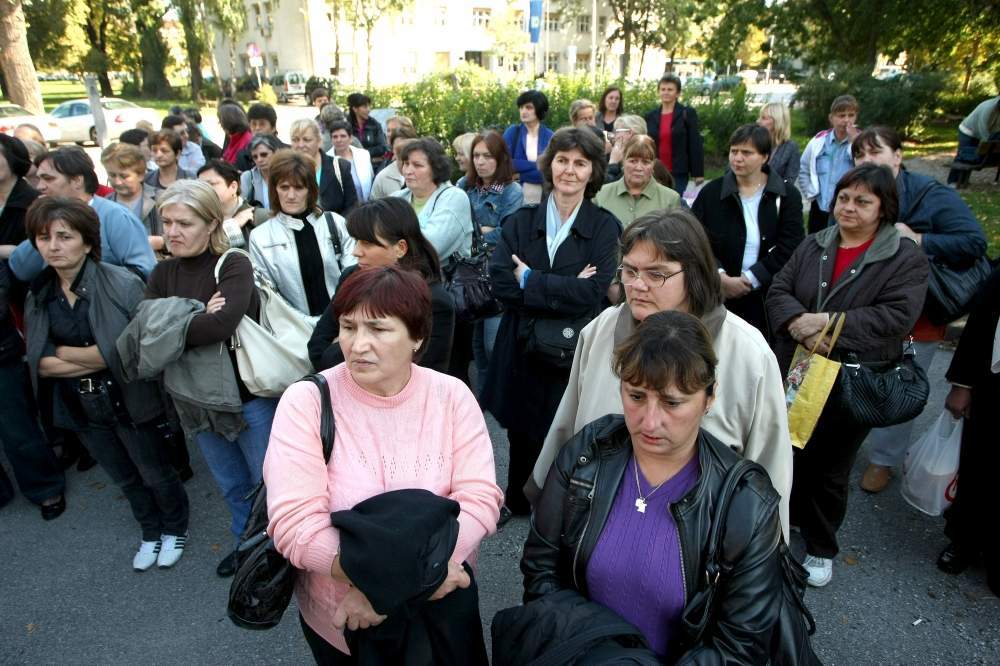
x=810 y=379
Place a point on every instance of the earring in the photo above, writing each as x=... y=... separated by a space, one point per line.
x=415 y=349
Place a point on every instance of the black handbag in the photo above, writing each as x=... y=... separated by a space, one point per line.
x=880 y=398
x=553 y=341
x=468 y=281
x=790 y=644
x=264 y=579
x=950 y=291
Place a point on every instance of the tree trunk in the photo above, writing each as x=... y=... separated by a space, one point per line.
x=193 y=46
x=152 y=53
x=970 y=63
x=368 y=61
x=627 y=27
x=20 y=79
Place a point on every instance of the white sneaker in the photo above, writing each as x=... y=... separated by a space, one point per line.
x=171 y=551
x=146 y=555
x=820 y=570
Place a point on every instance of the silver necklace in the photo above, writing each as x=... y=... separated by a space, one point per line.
x=640 y=501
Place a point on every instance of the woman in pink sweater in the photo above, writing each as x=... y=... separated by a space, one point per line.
x=397 y=426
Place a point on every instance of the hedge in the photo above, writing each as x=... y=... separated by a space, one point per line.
x=470 y=99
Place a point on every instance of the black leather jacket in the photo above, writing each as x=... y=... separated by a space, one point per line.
x=574 y=507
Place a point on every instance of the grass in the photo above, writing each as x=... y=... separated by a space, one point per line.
x=985 y=204
x=55 y=93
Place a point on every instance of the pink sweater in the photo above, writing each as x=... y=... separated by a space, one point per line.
x=431 y=435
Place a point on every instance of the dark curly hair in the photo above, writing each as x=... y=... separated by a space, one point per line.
x=440 y=165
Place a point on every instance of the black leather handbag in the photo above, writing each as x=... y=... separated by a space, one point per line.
x=950 y=291
x=880 y=398
x=264 y=579
x=790 y=644
x=468 y=281
x=553 y=341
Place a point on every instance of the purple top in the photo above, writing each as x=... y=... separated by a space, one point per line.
x=635 y=569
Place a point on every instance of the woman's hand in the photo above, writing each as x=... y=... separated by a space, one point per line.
x=519 y=267
x=588 y=271
x=457 y=577
x=958 y=401
x=355 y=612
x=216 y=303
x=823 y=346
x=242 y=217
x=807 y=325
x=734 y=287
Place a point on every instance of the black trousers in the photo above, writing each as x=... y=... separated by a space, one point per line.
x=31 y=458
x=523 y=453
x=971 y=519
x=821 y=472
x=324 y=653
x=818 y=218
x=138 y=463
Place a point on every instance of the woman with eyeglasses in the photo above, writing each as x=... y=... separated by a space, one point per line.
x=667 y=264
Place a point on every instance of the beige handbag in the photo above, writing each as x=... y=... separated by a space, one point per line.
x=271 y=354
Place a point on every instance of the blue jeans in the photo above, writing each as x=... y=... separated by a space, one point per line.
x=35 y=466
x=484 y=335
x=239 y=466
x=967 y=152
x=680 y=182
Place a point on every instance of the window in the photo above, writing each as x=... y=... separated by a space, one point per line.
x=474 y=57
x=481 y=17
x=256 y=9
x=441 y=18
x=602 y=25
x=267 y=7
x=583 y=62
x=442 y=60
x=552 y=22
x=274 y=61
x=406 y=18
x=520 y=20
x=552 y=61
x=583 y=24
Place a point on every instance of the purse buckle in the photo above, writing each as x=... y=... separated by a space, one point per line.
x=85 y=385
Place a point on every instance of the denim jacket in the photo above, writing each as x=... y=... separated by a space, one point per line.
x=490 y=206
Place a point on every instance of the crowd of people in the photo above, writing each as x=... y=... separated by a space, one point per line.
x=639 y=352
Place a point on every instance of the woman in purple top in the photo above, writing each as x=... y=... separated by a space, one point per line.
x=628 y=506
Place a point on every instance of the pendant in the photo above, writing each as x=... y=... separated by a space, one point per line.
x=640 y=505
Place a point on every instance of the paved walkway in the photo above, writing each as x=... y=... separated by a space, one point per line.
x=68 y=595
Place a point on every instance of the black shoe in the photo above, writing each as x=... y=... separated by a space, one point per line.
x=953 y=560
x=185 y=473
x=227 y=567
x=53 y=511
x=85 y=462
x=505 y=516
x=68 y=456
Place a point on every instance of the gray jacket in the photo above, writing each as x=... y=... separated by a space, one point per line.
x=200 y=380
x=112 y=292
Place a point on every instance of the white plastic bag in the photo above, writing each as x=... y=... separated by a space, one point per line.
x=931 y=467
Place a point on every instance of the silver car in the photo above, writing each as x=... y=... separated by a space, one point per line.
x=77 y=122
x=12 y=115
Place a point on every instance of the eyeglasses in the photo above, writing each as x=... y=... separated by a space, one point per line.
x=652 y=279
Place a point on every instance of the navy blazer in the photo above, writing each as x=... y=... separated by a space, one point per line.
x=332 y=196
x=555 y=290
x=688 y=151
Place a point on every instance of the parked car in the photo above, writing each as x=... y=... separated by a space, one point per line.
x=288 y=85
x=77 y=122
x=12 y=115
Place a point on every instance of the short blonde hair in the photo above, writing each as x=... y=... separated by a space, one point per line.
x=632 y=122
x=463 y=144
x=579 y=105
x=146 y=126
x=203 y=201
x=304 y=125
x=778 y=112
x=125 y=157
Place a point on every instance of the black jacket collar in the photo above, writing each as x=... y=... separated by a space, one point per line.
x=774 y=184
x=585 y=224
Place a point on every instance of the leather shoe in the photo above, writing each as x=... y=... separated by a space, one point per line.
x=876 y=478
x=85 y=462
x=953 y=560
x=53 y=511
x=227 y=567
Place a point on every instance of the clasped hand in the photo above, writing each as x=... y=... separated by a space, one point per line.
x=520 y=267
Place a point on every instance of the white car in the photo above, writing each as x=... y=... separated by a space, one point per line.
x=77 y=123
x=12 y=115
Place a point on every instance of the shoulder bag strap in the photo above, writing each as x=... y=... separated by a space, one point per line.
x=327 y=422
x=338 y=249
x=713 y=560
x=222 y=258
